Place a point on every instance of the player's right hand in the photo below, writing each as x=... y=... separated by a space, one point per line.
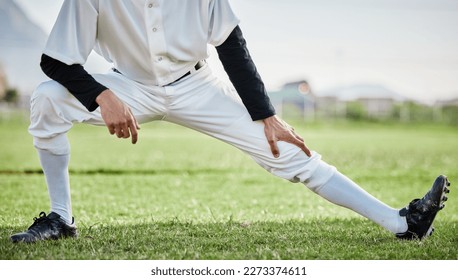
x=117 y=116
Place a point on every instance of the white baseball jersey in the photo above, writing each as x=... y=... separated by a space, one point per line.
x=139 y=37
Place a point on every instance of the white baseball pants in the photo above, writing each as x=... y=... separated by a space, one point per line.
x=200 y=102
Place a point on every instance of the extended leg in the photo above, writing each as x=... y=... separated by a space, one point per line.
x=342 y=191
x=216 y=110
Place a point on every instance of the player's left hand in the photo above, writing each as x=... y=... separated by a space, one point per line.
x=276 y=130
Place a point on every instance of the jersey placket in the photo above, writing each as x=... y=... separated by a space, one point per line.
x=156 y=42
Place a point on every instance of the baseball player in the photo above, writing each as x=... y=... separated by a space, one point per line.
x=158 y=49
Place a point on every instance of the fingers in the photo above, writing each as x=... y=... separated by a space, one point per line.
x=137 y=125
x=121 y=129
x=134 y=127
x=129 y=129
x=117 y=116
x=297 y=135
x=124 y=127
x=126 y=130
x=111 y=129
x=301 y=144
x=133 y=130
x=306 y=150
x=293 y=139
x=272 y=140
x=287 y=134
x=273 y=147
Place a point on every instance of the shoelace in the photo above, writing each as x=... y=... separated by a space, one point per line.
x=40 y=219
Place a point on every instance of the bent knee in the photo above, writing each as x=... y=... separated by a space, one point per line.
x=46 y=94
x=48 y=110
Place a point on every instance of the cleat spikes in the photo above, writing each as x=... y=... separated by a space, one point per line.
x=442 y=207
x=448 y=184
x=444 y=198
x=446 y=190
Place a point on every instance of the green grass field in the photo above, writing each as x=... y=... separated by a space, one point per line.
x=181 y=195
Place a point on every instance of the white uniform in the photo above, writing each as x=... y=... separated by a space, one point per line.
x=153 y=43
x=143 y=43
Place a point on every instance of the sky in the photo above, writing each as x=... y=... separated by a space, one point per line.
x=409 y=46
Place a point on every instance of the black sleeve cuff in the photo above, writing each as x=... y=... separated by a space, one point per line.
x=75 y=79
x=243 y=74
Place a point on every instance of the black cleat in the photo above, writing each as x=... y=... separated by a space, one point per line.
x=420 y=213
x=46 y=227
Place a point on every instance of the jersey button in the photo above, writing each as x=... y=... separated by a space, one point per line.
x=150 y=5
x=154 y=29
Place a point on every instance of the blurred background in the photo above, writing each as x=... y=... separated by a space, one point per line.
x=320 y=59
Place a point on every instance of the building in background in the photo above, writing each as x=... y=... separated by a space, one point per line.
x=375 y=100
x=372 y=101
x=447 y=102
x=294 y=99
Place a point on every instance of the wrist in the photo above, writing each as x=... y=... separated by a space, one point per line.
x=103 y=96
x=270 y=119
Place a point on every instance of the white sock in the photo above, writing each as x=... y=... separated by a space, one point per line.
x=342 y=191
x=55 y=168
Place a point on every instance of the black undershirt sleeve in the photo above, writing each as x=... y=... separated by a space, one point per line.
x=73 y=77
x=242 y=72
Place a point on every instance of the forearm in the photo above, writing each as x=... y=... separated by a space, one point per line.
x=73 y=77
x=243 y=74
